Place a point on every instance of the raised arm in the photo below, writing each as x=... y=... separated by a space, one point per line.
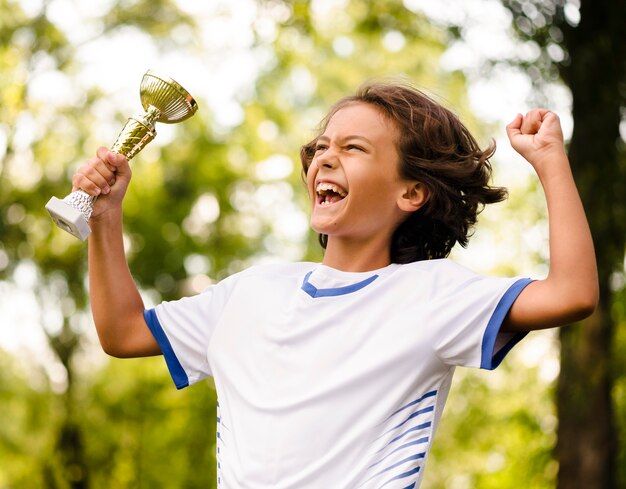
x=116 y=305
x=570 y=291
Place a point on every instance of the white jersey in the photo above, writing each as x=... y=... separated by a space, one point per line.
x=330 y=379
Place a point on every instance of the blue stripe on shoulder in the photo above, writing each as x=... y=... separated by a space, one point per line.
x=176 y=369
x=489 y=361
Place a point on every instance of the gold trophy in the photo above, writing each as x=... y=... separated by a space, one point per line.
x=163 y=100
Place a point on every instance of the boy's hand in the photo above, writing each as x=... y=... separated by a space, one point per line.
x=536 y=136
x=106 y=176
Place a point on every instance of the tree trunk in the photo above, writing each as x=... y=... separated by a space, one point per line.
x=587 y=443
x=70 y=467
x=586 y=446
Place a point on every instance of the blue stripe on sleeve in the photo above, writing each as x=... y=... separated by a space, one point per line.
x=489 y=361
x=176 y=369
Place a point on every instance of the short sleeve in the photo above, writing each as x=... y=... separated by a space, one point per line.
x=183 y=329
x=472 y=313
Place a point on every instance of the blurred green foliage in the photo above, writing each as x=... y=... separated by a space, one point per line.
x=205 y=208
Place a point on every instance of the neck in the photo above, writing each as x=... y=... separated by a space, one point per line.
x=352 y=255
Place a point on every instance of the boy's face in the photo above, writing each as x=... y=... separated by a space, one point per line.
x=353 y=180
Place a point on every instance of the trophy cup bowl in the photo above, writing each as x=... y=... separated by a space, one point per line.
x=173 y=101
x=164 y=101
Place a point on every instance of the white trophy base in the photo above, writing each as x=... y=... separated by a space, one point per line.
x=68 y=218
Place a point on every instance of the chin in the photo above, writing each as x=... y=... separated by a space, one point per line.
x=322 y=227
x=318 y=228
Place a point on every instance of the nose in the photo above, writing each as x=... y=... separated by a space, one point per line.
x=328 y=159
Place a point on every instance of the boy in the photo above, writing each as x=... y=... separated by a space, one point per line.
x=334 y=375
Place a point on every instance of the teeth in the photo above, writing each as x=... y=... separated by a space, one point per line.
x=330 y=187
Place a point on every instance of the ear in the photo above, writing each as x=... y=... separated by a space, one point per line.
x=415 y=196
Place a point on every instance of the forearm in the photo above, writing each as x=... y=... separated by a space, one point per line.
x=572 y=257
x=570 y=291
x=116 y=304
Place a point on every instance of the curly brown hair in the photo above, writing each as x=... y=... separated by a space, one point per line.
x=436 y=149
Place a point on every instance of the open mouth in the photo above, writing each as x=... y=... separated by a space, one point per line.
x=329 y=193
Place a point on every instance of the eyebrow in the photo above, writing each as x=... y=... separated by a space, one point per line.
x=346 y=138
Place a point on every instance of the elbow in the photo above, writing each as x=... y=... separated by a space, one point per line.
x=118 y=349
x=124 y=337
x=585 y=310
x=112 y=346
x=592 y=305
x=593 y=299
x=117 y=352
x=585 y=305
x=111 y=349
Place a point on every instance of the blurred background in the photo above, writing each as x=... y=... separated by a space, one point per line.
x=223 y=191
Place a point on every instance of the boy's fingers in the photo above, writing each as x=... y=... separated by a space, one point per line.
x=530 y=122
x=96 y=168
x=513 y=127
x=551 y=116
x=95 y=176
x=80 y=181
x=110 y=158
x=106 y=156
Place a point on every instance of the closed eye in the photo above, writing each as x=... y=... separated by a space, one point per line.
x=321 y=147
x=351 y=147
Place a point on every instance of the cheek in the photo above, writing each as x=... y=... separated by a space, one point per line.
x=377 y=199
